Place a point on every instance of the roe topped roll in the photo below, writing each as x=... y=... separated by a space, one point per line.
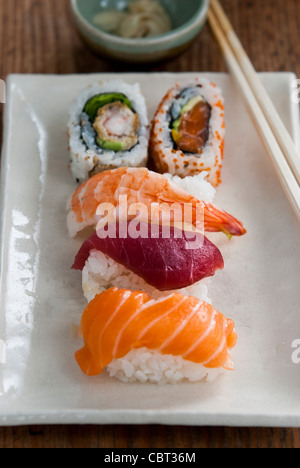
x=108 y=128
x=188 y=131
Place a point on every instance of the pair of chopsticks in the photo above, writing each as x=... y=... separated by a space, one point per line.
x=277 y=140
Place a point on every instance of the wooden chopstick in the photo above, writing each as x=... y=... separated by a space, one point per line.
x=280 y=164
x=281 y=134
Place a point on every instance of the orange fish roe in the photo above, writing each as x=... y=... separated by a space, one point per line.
x=220 y=105
x=222 y=147
x=219 y=180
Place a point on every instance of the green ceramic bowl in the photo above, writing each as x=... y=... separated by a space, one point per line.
x=188 y=18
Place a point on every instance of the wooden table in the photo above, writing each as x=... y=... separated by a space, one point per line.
x=37 y=36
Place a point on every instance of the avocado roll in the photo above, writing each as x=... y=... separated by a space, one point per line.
x=188 y=131
x=108 y=128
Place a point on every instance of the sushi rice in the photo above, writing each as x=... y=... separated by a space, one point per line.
x=101 y=272
x=145 y=365
x=86 y=156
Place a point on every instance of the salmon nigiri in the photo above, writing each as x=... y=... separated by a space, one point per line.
x=138 y=338
x=145 y=187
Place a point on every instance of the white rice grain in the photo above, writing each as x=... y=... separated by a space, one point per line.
x=144 y=365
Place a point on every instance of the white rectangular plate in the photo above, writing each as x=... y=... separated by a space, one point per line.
x=41 y=296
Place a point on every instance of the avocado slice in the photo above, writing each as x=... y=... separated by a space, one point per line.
x=176 y=136
x=115 y=146
x=97 y=102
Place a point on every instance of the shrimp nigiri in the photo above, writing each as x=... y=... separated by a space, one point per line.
x=141 y=186
x=120 y=327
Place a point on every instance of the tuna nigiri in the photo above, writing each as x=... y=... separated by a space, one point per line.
x=165 y=259
x=138 y=338
x=145 y=187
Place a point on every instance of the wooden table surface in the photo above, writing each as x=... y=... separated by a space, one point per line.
x=37 y=36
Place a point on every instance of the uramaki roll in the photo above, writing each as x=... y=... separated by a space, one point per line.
x=188 y=131
x=108 y=129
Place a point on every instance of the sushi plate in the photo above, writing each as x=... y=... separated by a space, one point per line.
x=41 y=298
